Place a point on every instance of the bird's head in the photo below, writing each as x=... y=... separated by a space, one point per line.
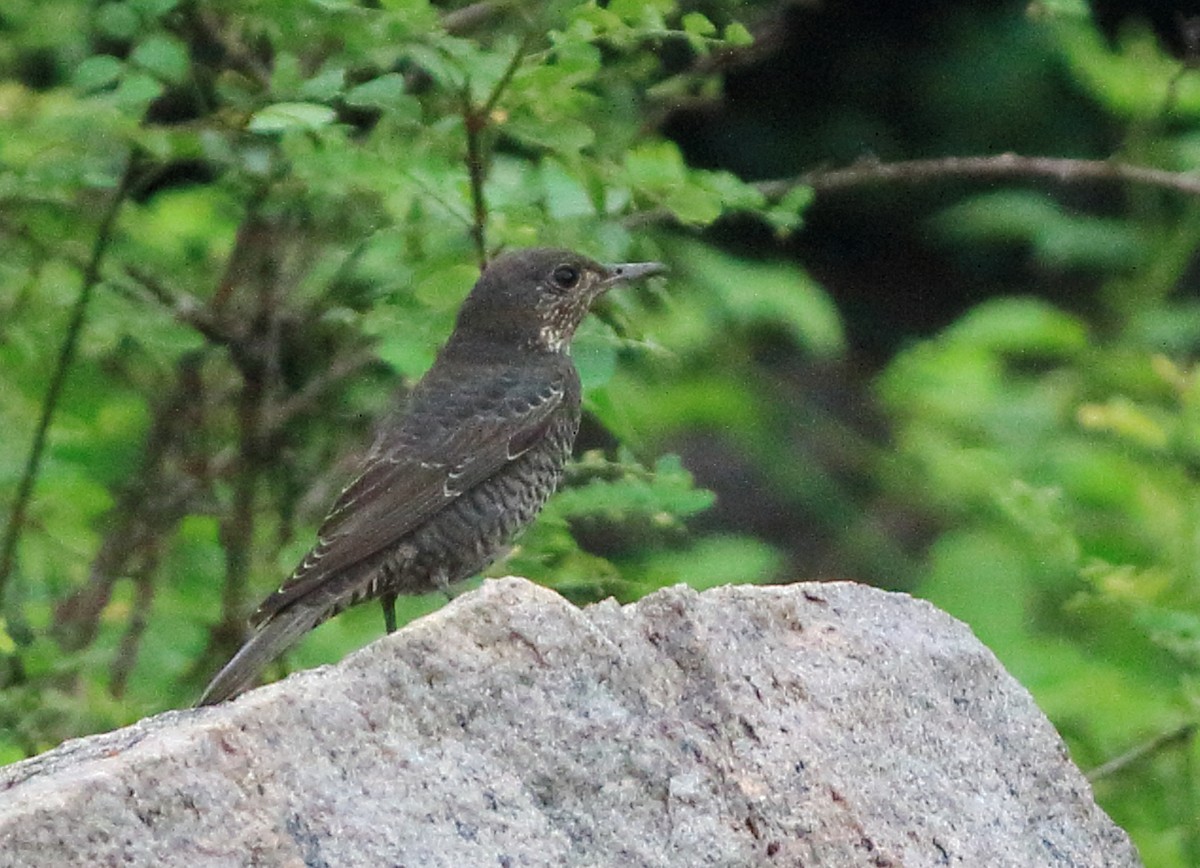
x=536 y=298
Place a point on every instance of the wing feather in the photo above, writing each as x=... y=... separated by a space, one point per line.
x=415 y=470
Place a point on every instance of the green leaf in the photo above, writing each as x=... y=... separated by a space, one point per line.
x=164 y=56
x=1020 y=325
x=566 y=135
x=564 y=195
x=787 y=215
x=325 y=85
x=1135 y=79
x=656 y=164
x=118 y=20
x=97 y=73
x=284 y=116
x=154 y=9
x=766 y=292
x=623 y=491
x=136 y=91
x=736 y=35
x=1125 y=419
x=698 y=25
x=386 y=92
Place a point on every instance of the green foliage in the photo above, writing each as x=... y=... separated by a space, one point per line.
x=1060 y=454
x=1069 y=486
x=268 y=214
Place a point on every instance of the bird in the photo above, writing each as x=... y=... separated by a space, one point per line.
x=478 y=448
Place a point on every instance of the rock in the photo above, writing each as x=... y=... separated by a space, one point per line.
x=807 y=725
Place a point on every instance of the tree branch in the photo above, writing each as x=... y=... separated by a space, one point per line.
x=474 y=122
x=872 y=173
x=867 y=173
x=58 y=378
x=340 y=369
x=1180 y=735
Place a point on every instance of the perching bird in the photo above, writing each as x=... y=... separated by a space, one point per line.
x=479 y=449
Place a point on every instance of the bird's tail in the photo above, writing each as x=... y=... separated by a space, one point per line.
x=273 y=637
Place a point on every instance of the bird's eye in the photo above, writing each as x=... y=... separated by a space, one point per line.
x=566 y=276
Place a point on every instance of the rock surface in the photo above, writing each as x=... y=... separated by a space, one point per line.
x=807 y=725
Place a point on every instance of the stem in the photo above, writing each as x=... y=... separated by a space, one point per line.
x=474 y=121
x=1180 y=735
x=58 y=378
x=868 y=173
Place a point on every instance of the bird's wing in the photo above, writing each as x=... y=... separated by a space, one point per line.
x=414 y=471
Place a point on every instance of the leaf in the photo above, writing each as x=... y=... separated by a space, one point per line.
x=1020 y=325
x=623 y=491
x=118 y=20
x=163 y=56
x=136 y=91
x=698 y=25
x=97 y=73
x=1135 y=79
x=1123 y=418
x=562 y=134
x=324 y=86
x=284 y=116
x=736 y=35
x=1059 y=237
x=386 y=92
x=766 y=292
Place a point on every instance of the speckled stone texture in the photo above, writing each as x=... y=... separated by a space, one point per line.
x=807 y=725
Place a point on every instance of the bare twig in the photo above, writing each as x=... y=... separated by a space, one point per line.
x=206 y=30
x=872 y=173
x=148 y=506
x=476 y=119
x=506 y=77
x=139 y=619
x=183 y=306
x=58 y=378
x=1180 y=735
x=339 y=370
x=462 y=21
x=866 y=173
x=254 y=261
x=474 y=122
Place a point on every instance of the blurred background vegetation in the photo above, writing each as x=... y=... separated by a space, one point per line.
x=231 y=231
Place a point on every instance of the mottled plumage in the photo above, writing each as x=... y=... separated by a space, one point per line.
x=480 y=448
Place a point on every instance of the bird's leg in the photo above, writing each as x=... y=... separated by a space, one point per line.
x=389 y=612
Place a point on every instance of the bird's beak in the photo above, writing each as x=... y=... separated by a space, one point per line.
x=627 y=272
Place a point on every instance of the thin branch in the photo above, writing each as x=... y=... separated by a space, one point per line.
x=340 y=369
x=866 y=173
x=58 y=378
x=872 y=173
x=459 y=22
x=1180 y=735
x=253 y=265
x=154 y=499
x=183 y=306
x=139 y=619
x=476 y=119
x=207 y=32
x=507 y=76
x=433 y=195
x=474 y=123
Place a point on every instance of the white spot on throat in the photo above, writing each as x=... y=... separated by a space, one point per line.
x=551 y=338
